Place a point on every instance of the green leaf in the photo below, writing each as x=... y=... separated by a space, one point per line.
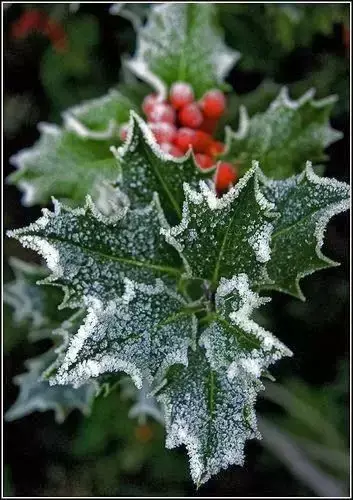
x=90 y=254
x=182 y=42
x=99 y=118
x=232 y=340
x=146 y=168
x=62 y=164
x=142 y=333
x=75 y=160
x=37 y=395
x=285 y=136
x=305 y=203
x=212 y=416
x=37 y=306
x=220 y=235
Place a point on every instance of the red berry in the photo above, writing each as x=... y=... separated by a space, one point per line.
x=163 y=132
x=29 y=21
x=171 y=149
x=226 y=175
x=201 y=141
x=209 y=125
x=149 y=102
x=215 y=148
x=123 y=131
x=213 y=104
x=204 y=161
x=184 y=138
x=181 y=94
x=190 y=116
x=162 y=112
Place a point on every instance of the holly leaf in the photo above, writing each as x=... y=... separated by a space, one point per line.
x=141 y=333
x=147 y=169
x=211 y=415
x=36 y=306
x=233 y=341
x=72 y=161
x=219 y=235
x=182 y=42
x=285 y=136
x=99 y=118
x=61 y=164
x=306 y=203
x=37 y=395
x=90 y=254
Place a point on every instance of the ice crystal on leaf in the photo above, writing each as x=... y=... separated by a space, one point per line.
x=233 y=341
x=90 y=254
x=33 y=305
x=182 y=42
x=61 y=164
x=68 y=162
x=306 y=203
x=218 y=236
x=37 y=395
x=99 y=118
x=141 y=333
x=285 y=136
x=145 y=168
x=211 y=415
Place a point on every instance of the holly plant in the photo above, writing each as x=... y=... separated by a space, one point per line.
x=166 y=235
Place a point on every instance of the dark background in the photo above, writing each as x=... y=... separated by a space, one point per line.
x=78 y=458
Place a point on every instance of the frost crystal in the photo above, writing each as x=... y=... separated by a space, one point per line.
x=285 y=136
x=180 y=42
x=217 y=236
x=37 y=395
x=91 y=254
x=147 y=169
x=235 y=342
x=212 y=416
x=306 y=203
x=142 y=333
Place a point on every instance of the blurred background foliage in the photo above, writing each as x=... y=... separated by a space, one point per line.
x=304 y=416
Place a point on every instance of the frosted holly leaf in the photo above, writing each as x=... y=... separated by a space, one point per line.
x=284 y=136
x=222 y=236
x=61 y=164
x=145 y=404
x=91 y=254
x=211 y=415
x=32 y=304
x=182 y=42
x=99 y=118
x=147 y=169
x=233 y=341
x=306 y=203
x=37 y=395
x=141 y=333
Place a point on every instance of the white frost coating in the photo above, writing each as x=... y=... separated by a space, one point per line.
x=109 y=200
x=283 y=99
x=141 y=333
x=260 y=242
x=306 y=202
x=212 y=417
x=24 y=296
x=165 y=36
x=129 y=145
x=74 y=117
x=233 y=340
x=215 y=233
x=141 y=70
x=73 y=124
x=241 y=133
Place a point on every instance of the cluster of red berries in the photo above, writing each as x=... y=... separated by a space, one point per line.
x=182 y=123
x=38 y=21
